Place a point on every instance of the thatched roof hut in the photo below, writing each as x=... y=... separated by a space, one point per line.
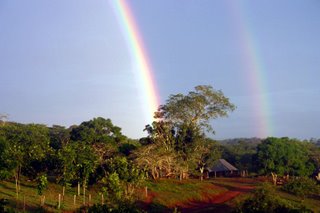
x=223 y=167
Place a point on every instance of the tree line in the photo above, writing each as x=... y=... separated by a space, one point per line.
x=176 y=146
x=283 y=156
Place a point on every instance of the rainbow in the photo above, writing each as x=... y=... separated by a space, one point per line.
x=139 y=57
x=255 y=72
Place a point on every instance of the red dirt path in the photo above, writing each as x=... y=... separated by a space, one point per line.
x=217 y=203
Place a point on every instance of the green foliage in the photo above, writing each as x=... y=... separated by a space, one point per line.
x=42 y=184
x=209 y=152
x=122 y=179
x=97 y=130
x=176 y=143
x=128 y=148
x=59 y=136
x=241 y=154
x=67 y=166
x=28 y=145
x=284 y=156
x=302 y=186
x=78 y=162
x=85 y=162
x=266 y=200
x=5 y=166
x=113 y=187
x=196 y=108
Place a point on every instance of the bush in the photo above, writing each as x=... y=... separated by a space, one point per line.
x=265 y=200
x=302 y=186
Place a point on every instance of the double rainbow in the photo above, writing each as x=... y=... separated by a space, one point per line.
x=251 y=62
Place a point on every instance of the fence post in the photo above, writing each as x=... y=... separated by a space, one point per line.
x=102 y=199
x=59 y=201
x=146 y=191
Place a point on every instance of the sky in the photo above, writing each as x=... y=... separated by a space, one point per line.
x=65 y=62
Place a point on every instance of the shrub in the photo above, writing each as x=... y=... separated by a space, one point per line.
x=302 y=186
x=265 y=200
x=42 y=184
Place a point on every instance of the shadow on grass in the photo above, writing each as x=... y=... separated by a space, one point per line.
x=240 y=188
x=153 y=207
x=30 y=186
x=205 y=207
x=17 y=205
x=5 y=186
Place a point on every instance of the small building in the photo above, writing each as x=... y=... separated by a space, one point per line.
x=221 y=167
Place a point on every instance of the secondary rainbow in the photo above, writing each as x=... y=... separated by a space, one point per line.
x=255 y=72
x=139 y=56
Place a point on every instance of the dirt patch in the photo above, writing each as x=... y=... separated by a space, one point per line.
x=229 y=189
x=216 y=203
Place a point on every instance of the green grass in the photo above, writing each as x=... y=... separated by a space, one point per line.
x=29 y=194
x=166 y=194
x=310 y=203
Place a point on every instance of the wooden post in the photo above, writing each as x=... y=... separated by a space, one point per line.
x=17 y=190
x=63 y=190
x=78 y=188
x=84 y=194
x=74 y=199
x=59 y=201
x=146 y=191
x=102 y=199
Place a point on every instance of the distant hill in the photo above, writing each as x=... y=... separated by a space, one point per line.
x=257 y=141
x=233 y=141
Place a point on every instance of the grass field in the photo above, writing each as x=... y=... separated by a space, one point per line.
x=29 y=196
x=219 y=195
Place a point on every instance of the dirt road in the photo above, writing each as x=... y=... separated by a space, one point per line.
x=217 y=203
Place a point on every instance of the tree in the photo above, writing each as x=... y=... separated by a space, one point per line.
x=122 y=179
x=59 y=136
x=26 y=144
x=85 y=164
x=67 y=156
x=102 y=138
x=284 y=156
x=5 y=165
x=209 y=153
x=178 y=133
x=241 y=153
x=42 y=184
x=158 y=155
x=97 y=130
x=197 y=108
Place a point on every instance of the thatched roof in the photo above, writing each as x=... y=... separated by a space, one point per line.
x=221 y=165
